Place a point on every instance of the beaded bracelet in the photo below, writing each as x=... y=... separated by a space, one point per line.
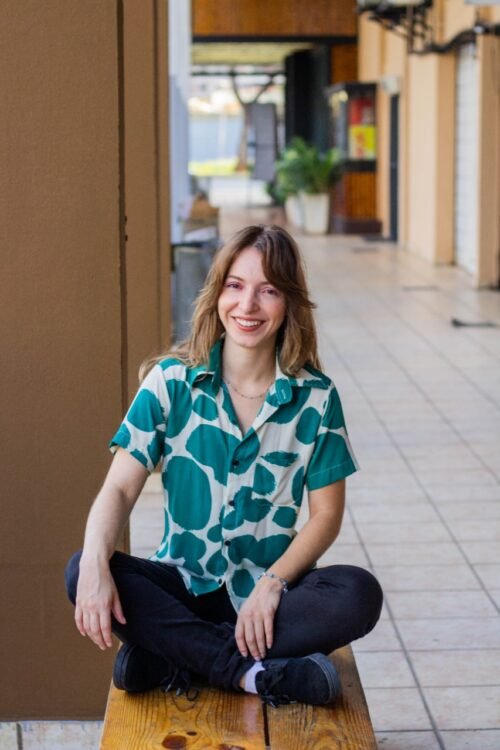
x=278 y=578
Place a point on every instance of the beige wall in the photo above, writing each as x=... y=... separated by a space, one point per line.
x=430 y=157
x=427 y=113
x=67 y=280
x=489 y=162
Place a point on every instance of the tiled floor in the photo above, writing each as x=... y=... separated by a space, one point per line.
x=422 y=402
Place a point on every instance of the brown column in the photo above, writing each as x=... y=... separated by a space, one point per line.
x=70 y=308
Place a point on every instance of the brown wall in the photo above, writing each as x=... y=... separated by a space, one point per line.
x=279 y=18
x=344 y=63
x=146 y=182
x=65 y=288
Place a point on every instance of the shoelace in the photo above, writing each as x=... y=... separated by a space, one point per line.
x=181 y=683
x=271 y=678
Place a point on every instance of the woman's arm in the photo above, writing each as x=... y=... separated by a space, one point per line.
x=97 y=597
x=254 y=628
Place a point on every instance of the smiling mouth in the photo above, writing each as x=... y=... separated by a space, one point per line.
x=248 y=325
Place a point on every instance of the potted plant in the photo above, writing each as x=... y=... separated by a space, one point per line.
x=307 y=174
x=290 y=180
x=321 y=171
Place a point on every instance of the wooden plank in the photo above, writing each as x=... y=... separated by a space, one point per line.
x=219 y=720
x=154 y=720
x=344 y=726
x=344 y=63
x=288 y=18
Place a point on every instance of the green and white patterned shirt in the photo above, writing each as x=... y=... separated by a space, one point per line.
x=232 y=500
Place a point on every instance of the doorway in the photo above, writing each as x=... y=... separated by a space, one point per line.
x=393 y=167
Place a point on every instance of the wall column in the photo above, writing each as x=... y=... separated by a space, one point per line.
x=81 y=147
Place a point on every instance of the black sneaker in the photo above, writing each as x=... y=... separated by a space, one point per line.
x=136 y=670
x=309 y=679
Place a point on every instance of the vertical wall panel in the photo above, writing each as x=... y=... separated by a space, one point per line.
x=75 y=297
x=61 y=335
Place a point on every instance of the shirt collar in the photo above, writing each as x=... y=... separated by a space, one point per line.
x=308 y=377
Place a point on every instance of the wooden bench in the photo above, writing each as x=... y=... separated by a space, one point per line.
x=219 y=720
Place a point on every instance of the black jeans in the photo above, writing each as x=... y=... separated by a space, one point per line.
x=324 y=610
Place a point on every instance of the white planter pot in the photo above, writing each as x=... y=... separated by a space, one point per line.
x=293 y=210
x=316 y=209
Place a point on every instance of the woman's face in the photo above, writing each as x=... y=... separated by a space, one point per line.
x=250 y=308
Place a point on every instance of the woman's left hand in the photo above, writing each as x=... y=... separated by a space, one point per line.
x=255 y=624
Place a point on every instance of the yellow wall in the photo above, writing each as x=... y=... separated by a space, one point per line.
x=427 y=114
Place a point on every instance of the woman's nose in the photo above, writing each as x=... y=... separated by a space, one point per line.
x=248 y=301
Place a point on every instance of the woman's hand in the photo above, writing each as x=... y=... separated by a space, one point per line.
x=255 y=625
x=96 y=599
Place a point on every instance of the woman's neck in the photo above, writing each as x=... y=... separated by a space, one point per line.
x=241 y=365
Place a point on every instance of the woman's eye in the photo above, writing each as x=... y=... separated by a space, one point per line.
x=232 y=285
x=271 y=291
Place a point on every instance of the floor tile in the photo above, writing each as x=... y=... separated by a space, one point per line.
x=154 y=483
x=475 y=530
x=397 y=709
x=368 y=496
x=384 y=669
x=396 y=533
x=457 y=668
x=489 y=574
x=418 y=604
x=8 y=735
x=407 y=741
x=465 y=707
x=348 y=533
x=391 y=513
x=468 y=478
x=427 y=577
x=67 y=735
x=462 y=458
x=467 y=511
x=382 y=638
x=480 y=739
x=379 y=481
x=455 y=493
x=482 y=552
x=434 y=634
x=495 y=594
x=344 y=554
x=412 y=554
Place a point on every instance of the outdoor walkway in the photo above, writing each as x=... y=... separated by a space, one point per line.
x=422 y=403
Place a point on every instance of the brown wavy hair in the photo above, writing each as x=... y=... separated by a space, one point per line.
x=283 y=268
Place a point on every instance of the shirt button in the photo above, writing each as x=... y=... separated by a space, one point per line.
x=235 y=462
x=227 y=542
x=231 y=503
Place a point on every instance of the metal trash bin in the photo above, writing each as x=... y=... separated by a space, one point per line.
x=191 y=262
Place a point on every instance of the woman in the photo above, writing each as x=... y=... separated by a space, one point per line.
x=243 y=422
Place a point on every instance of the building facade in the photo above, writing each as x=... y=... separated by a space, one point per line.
x=438 y=114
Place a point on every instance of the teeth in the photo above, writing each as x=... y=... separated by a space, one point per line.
x=247 y=323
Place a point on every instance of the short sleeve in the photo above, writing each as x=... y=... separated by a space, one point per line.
x=332 y=457
x=142 y=432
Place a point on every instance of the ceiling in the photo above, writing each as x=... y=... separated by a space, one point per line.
x=244 y=53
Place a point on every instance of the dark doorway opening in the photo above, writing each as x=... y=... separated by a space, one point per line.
x=394 y=167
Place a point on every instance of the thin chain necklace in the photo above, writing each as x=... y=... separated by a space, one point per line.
x=259 y=395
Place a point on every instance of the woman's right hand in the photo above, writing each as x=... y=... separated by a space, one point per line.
x=96 y=600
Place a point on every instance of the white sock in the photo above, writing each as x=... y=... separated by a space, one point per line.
x=250 y=677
